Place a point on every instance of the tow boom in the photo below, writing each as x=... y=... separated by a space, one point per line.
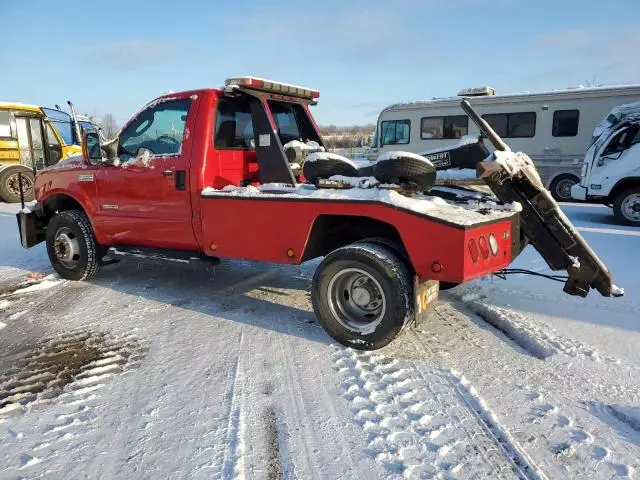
x=514 y=178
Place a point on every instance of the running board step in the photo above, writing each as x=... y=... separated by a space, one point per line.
x=167 y=255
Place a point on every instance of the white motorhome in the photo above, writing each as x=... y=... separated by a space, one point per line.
x=555 y=128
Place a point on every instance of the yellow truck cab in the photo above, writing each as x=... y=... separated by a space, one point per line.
x=30 y=140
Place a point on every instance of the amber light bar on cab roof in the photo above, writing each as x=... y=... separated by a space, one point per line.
x=273 y=87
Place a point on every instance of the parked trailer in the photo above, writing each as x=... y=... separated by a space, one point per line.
x=555 y=127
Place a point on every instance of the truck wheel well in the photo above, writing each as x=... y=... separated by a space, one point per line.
x=334 y=231
x=59 y=203
x=623 y=185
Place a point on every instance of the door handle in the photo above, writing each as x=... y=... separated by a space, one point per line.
x=181 y=179
x=168 y=173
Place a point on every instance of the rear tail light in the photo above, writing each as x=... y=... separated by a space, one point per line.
x=484 y=246
x=493 y=244
x=473 y=250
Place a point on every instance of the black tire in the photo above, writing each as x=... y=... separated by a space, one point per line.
x=406 y=171
x=560 y=187
x=380 y=265
x=10 y=188
x=624 y=206
x=325 y=168
x=79 y=246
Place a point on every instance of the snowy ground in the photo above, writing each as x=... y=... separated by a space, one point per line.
x=176 y=371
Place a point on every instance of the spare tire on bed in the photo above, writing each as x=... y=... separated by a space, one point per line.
x=405 y=168
x=324 y=165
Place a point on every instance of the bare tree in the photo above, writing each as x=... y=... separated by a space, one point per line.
x=109 y=126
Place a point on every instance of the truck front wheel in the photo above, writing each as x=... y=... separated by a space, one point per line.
x=72 y=246
x=626 y=207
x=362 y=295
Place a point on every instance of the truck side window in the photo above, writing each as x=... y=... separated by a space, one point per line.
x=5 y=125
x=159 y=130
x=234 y=126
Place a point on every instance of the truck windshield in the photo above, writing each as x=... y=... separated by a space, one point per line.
x=62 y=122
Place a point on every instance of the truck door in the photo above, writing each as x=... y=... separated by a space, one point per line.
x=617 y=159
x=144 y=198
x=31 y=141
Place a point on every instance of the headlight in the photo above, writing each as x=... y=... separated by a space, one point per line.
x=493 y=243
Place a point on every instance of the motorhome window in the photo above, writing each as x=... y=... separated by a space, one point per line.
x=450 y=127
x=512 y=125
x=234 y=127
x=396 y=132
x=5 y=125
x=565 y=123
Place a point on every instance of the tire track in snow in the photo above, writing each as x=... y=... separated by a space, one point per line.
x=233 y=466
x=415 y=422
x=539 y=340
x=547 y=420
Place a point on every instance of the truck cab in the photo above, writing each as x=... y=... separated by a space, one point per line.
x=611 y=166
x=214 y=174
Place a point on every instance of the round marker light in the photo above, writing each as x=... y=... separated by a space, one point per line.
x=493 y=243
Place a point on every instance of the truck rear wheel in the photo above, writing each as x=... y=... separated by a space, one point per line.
x=10 y=184
x=362 y=295
x=626 y=207
x=560 y=188
x=72 y=246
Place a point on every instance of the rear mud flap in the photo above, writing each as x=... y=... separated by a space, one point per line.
x=425 y=295
x=548 y=229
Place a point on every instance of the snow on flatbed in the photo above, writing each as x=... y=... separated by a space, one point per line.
x=154 y=370
x=460 y=213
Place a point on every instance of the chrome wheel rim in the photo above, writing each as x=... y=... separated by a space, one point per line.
x=631 y=207
x=66 y=248
x=12 y=185
x=356 y=300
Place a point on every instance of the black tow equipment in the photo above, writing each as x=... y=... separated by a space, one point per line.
x=541 y=221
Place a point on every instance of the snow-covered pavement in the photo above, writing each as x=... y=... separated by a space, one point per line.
x=155 y=370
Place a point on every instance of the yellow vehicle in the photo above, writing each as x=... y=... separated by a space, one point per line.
x=32 y=138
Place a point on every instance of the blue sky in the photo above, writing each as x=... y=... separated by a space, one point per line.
x=362 y=55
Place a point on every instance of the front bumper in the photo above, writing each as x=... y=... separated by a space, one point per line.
x=578 y=192
x=30 y=227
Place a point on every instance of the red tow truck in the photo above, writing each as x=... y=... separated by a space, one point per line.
x=205 y=173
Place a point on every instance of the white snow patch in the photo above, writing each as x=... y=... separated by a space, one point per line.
x=321 y=156
x=396 y=154
x=456 y=174
x=461 y=214
x=359 y=182
x=47 y=282
x=4 y=304
x=513 y=162
x=17 y=315
x=2 y=325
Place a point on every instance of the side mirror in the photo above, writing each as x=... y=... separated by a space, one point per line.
x=91 y=152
